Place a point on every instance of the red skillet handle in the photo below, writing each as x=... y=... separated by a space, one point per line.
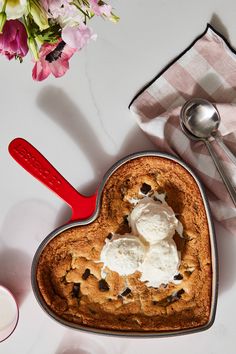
x=38 y=166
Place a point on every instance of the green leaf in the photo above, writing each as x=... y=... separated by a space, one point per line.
x=49 y=35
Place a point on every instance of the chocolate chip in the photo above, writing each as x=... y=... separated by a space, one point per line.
x=175 y=296
x=145 y=188
x=103 y=286
x=86 y=274
x=109 y=236
x=126 y=219
x=178 y=277
x=76 y=290
x=170 y=298
x=126 y=292
x=180 y=292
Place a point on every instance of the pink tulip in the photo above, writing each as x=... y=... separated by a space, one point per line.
x=53 y=58
x=13 y=40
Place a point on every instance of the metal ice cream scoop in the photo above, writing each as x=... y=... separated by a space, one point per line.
x=199 y=120
x=202 y=119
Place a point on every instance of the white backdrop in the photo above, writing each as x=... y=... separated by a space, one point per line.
x=82 y=124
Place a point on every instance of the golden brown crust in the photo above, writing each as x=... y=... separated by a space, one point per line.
x=69 y=271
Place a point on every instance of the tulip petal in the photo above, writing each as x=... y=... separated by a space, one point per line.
x=40 y=71
x=13 y=40
x=53 y=58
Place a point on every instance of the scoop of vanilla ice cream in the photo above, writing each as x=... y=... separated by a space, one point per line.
x=152 y=220
x=123 y=254
x=160 y=264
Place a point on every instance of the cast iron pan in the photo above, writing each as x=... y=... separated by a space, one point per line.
x=85 y=210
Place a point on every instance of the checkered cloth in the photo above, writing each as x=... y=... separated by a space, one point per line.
x=207 y=69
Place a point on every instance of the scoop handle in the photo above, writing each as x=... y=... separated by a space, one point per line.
x=38 y=166
x=228 y=184
x=225 y=148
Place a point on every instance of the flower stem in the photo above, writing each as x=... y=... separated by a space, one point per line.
x=26 y=25
x=3 y=16
x=85 y=13
x=31 y=41
x=4 y=6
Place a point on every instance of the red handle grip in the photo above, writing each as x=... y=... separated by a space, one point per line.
x=39 y=167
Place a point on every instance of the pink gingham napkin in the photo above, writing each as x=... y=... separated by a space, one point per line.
x=206 y=69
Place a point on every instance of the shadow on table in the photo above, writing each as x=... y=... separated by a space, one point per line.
x=14 y=272
x=219 y=26
x=24 y=227
x=75 y=343
x=73 y=351
x=226 y=244
x=63 y=111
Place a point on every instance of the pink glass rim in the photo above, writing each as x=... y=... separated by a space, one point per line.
x=6 y=332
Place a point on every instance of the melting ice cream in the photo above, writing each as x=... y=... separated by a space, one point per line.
x=152 y=220
x=160 y=264
x=123 y=254
x=150 y=248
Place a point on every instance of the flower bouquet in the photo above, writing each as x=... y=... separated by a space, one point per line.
x=53 y=30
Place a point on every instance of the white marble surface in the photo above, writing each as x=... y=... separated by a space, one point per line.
x=82 y=124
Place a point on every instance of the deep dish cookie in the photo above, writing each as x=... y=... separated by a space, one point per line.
x=69 y=272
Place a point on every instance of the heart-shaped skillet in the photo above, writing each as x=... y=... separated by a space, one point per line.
x=67 y=272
